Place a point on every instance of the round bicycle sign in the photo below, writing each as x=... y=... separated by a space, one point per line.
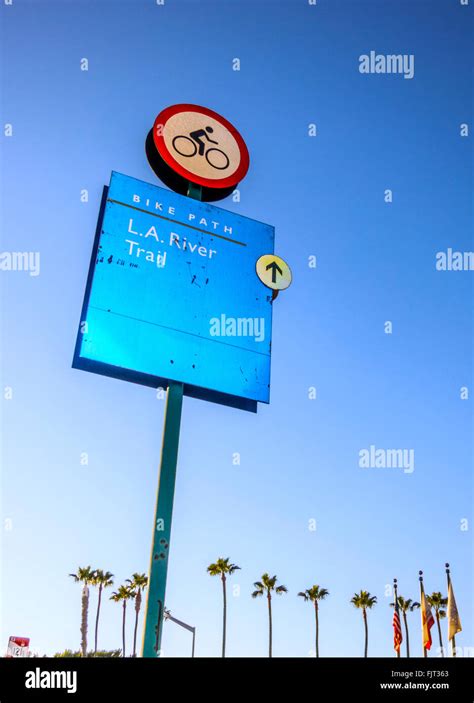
x=199 y=146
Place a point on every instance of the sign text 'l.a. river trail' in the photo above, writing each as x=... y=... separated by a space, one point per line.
x=166 y=269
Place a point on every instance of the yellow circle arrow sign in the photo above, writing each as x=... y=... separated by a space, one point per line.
x=273 y=272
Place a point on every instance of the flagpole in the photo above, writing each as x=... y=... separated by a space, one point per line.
x=453 y=640
x=422 y=593
x=395 y=606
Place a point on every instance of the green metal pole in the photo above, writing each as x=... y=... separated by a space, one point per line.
x=155 y=603
x=162 y=525
x=194 y=191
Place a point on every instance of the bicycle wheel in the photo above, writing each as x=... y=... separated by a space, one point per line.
x=219 y=160
x=185 y=148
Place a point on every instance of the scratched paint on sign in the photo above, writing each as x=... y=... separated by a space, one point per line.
x=173 y=294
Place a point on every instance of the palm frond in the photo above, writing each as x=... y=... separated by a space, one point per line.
x=221 y=567
x=363 y=600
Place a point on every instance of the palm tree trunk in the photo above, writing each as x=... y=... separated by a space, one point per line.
x=270 y=633
x=317 y=627
x=366 y=633
x=123 y=625
x=406 y=634
x=97 y=619
x=224 y=623
x=85 y=609
x=439 y=633
x=138 y=602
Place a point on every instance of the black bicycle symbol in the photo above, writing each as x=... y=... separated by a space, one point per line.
x=190 y=146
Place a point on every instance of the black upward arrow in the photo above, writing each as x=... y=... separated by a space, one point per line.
x=274 y=267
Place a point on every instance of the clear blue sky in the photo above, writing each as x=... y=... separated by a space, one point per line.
x=376 y=262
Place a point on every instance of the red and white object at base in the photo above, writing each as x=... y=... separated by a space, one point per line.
x=18 y=647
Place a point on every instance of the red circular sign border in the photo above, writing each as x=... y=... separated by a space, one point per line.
x=217 y=184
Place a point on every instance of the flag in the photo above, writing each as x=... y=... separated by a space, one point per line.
x=397 y=628
x=454 y=621
x=427 y=620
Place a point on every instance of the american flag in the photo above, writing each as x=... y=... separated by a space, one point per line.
x=397 y=628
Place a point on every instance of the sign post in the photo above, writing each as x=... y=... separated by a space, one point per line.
x=154 y=609
x=158 y=571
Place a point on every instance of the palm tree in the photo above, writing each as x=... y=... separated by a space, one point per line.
x=438 y=602
x=315 y=594
x=138 y=583
x=123 y=594
x=84 y=575
x=102 y=579
x=364 y=601
x=265 y=587
x=223 y=569
x=406 y=606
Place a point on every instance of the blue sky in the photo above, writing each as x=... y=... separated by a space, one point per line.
x=375 y=263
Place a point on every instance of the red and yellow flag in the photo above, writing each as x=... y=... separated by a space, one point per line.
x=427 y=620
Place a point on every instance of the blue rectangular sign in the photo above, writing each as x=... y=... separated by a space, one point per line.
x=173 y=294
